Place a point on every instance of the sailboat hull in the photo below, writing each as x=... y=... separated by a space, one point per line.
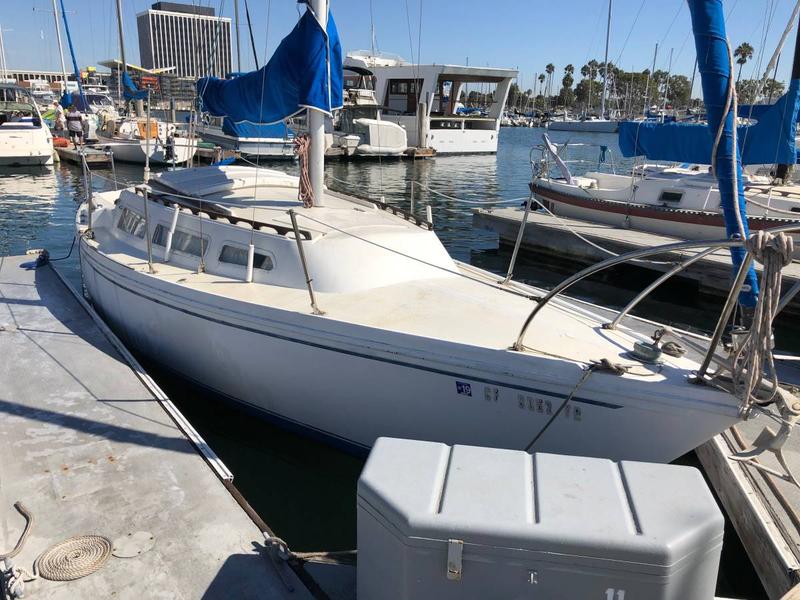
x=135 y=151
x=351 y=384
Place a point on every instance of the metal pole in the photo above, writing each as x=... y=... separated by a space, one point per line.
x=122 y=54
x=730 y=303
x=316 y=123
x=87 y=182
x=666 y=86
x=238 y=43
x=147 y=142
x=147 y=231
x=298 y=238
x=647 y=83
x=605 y=77
x=60 y=48
x=519 y=240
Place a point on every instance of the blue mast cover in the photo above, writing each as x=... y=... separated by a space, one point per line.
x=713 y=62
x=305 y=72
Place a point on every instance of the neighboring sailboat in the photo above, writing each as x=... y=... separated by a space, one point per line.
x=684 y=200
x=592 y=124
x=347 y=318
x=140 y=138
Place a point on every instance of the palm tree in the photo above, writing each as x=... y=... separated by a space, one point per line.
x=541 y=89
x=549 y=69
x=585 y=70
x=743 y=53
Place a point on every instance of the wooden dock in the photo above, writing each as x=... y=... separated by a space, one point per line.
x=94 y=156
x=548 y=235
x=90 y=445
x=764 y=509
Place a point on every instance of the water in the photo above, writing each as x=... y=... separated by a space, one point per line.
x=303 y=489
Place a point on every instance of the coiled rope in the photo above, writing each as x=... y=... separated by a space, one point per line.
x=754 y=356
x=302 y=144
x=73 y=558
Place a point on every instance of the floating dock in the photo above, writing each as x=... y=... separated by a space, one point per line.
x=556 y=236
x=90 y=445
x=764 y=508
x=94 y=156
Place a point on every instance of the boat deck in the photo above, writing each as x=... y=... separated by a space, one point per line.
x=94 y=156
x=548 y=235
x=91 y=446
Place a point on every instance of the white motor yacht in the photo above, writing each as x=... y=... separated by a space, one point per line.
x=424 y=100
x=24 y=137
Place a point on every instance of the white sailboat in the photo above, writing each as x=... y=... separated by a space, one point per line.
x=348 y=319
x=591 y=124
x=138 y=138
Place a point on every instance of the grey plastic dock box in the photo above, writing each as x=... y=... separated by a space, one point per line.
x=436 y=521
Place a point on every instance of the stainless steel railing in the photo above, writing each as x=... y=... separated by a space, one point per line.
x=709 y=245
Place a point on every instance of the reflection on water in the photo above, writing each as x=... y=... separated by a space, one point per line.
x=304 y=490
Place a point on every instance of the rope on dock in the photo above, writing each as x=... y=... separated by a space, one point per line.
x=73 y=558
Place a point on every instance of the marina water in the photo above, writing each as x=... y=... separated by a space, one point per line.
x=306 y=490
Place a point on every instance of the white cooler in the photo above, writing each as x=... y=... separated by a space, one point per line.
x=462 y=522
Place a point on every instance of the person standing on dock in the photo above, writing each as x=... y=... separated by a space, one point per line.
x=75 y=119
x=60 y=120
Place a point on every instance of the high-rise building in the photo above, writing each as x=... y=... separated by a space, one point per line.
x=189 y=38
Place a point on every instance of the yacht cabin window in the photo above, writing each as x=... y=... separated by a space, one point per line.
x=402 y=95
x=131 y=222
x=182 y=241
x=237 y=255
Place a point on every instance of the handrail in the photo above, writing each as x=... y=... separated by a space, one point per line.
x=643 y=294
x=641 y=253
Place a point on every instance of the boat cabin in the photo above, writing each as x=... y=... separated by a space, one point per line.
x=453 y=109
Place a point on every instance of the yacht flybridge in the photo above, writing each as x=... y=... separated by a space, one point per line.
x=426 y=100
x=401 y=340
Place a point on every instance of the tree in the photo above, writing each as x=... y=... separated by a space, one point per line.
x=585 y=70
x=679 y=92
x=743 y=53
x=746 y=90
x=549 y=69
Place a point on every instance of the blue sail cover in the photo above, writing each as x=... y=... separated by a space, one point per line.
x=769 y=141
x=66 y=99
x=247 y=129
x=129 y=89
x=713 y=62
x=305 y=72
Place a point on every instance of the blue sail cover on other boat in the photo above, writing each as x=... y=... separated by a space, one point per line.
x=769 y=141
x=129 y=89
x=305 y=72
x=247 y=129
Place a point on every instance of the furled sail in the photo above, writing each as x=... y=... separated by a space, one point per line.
x=66 y=99
x=771 y=140
x=304 y=73
x=129 y=89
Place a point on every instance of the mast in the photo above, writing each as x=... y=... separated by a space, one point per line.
x=647 y=83
x=605 y=61
x=316 y=122
x=60 y=47
x=238 y=43
x=121 y=37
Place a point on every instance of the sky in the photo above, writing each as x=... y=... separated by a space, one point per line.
x=521 y=34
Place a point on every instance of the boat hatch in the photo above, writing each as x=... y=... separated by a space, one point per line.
x=670 y=197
